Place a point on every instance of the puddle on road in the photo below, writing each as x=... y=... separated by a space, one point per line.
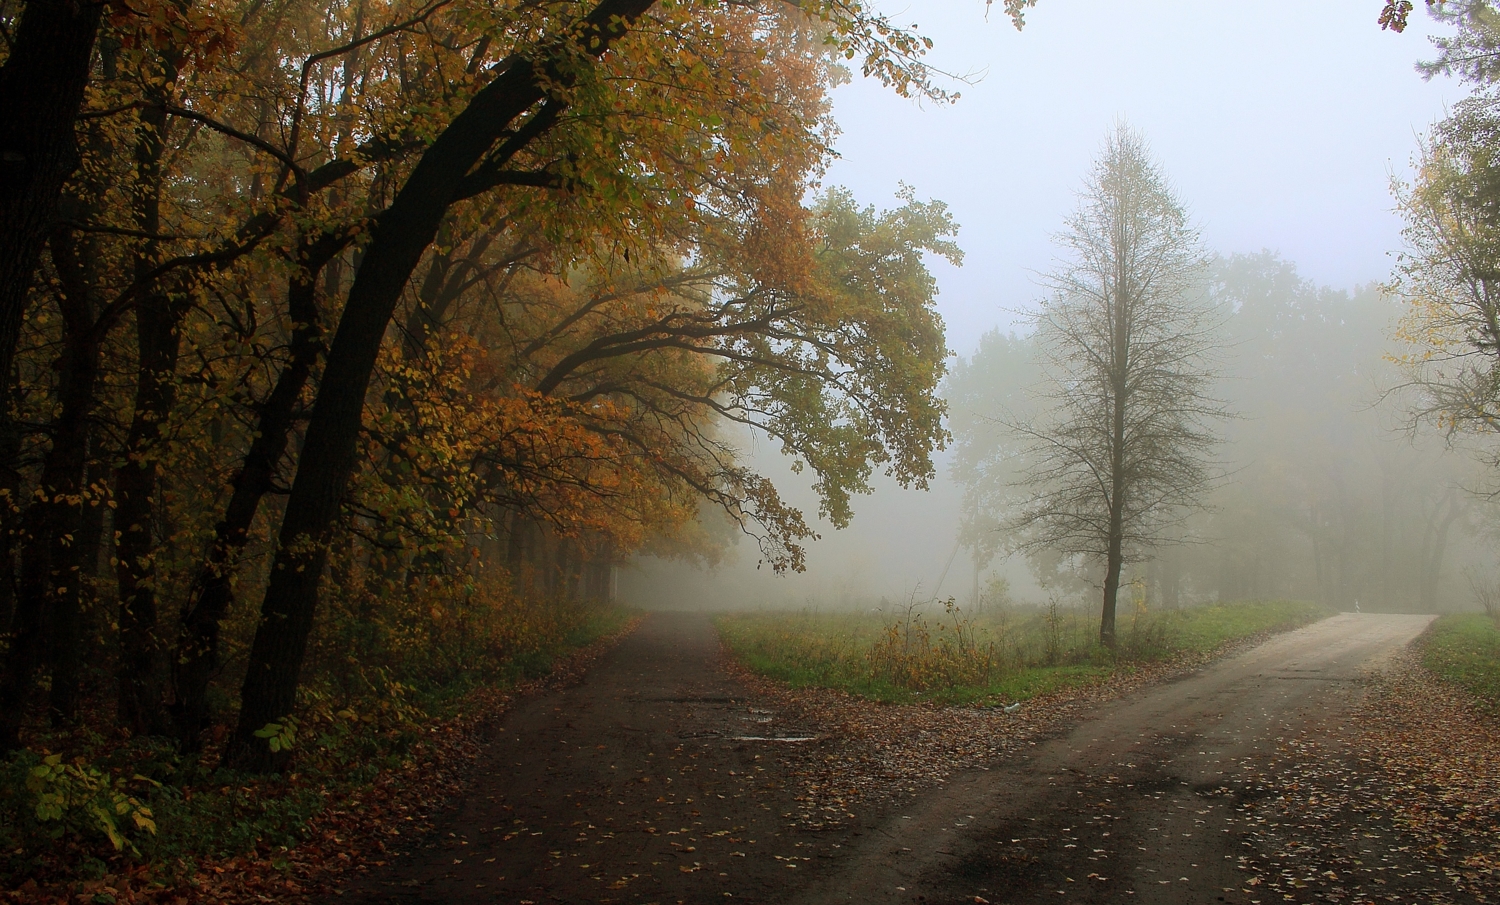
x=699 y=699
x=771 y=738
x=706 y=736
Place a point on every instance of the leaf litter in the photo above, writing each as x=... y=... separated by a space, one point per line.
x=1398 y=803
x=365 y=830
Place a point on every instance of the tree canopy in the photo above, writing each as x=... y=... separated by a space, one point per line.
x=352 y=306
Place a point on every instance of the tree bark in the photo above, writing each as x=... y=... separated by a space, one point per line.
x=400 y=238
x=1113 y=563
x=1451 y=509
x=10 y=509
x=47 y=605
x=136 y=486
x=1114 y=558
x=197 y=653
x=41 y=89
x=158 y=324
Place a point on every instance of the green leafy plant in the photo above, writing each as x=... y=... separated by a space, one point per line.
x=280 y=736
x=81 y=797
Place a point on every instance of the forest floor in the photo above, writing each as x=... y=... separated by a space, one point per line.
x=1321 y=765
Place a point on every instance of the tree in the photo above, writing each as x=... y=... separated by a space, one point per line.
x=1120 y=447
x=568 y=71
x=1449 y=275
x=986 y=393
x=358 y=283
x=42 y=83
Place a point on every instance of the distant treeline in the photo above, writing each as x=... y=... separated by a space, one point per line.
x=1326 y=493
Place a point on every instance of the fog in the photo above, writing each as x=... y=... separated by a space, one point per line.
x=1282 y=132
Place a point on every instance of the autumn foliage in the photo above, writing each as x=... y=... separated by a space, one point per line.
x=369 y=337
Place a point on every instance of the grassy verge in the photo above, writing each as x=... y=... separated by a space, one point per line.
x=79 y=806
x=999 y=656
x=1464 y=649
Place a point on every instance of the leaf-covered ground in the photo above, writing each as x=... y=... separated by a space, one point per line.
x=872 y=754
x=351 y=833
x=1395 y=801
x=1401 y=803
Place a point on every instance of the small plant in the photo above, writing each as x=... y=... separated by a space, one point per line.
x=1486 y=591
x=81 y=798
x=907 y=656
x=1054 y=633
x=280 y=736
x=996 y=595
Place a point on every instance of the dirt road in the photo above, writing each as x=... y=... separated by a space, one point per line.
x=1141 y=803
x=656 y=779
x=660 y=778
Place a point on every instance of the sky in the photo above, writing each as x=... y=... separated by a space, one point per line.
x=1280 y=126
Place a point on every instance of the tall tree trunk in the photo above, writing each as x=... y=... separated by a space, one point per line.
x=1114 y=557
x=400 y=238
x=1432 y=552
x=158 y=323
x=76 y=568
x=197 y=652
x=41 y=89
x=136 y=487
x=10 y=509
x=48 y=603
x=1113 y=563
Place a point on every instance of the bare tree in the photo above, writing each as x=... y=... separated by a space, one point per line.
x=1120 y=449
x=1485 y=587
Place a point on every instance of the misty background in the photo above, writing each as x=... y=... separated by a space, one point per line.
x=1282 y=132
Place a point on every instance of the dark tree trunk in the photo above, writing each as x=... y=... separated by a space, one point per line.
x=48 y=599
x=53 y=560
x=1114 y=557
x=78 y=598
x=400 y=238
x=41 y=89
x=140 y=677
x=197 y=655
x=1113 y=562
x=1433 y=550
x=158 y=323
x=10 y=510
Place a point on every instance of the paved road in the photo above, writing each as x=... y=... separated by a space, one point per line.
x=660 y=779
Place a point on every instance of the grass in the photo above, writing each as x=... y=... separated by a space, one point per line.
x=1001 y=655
x=1207 y=627
x=1464 y=649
